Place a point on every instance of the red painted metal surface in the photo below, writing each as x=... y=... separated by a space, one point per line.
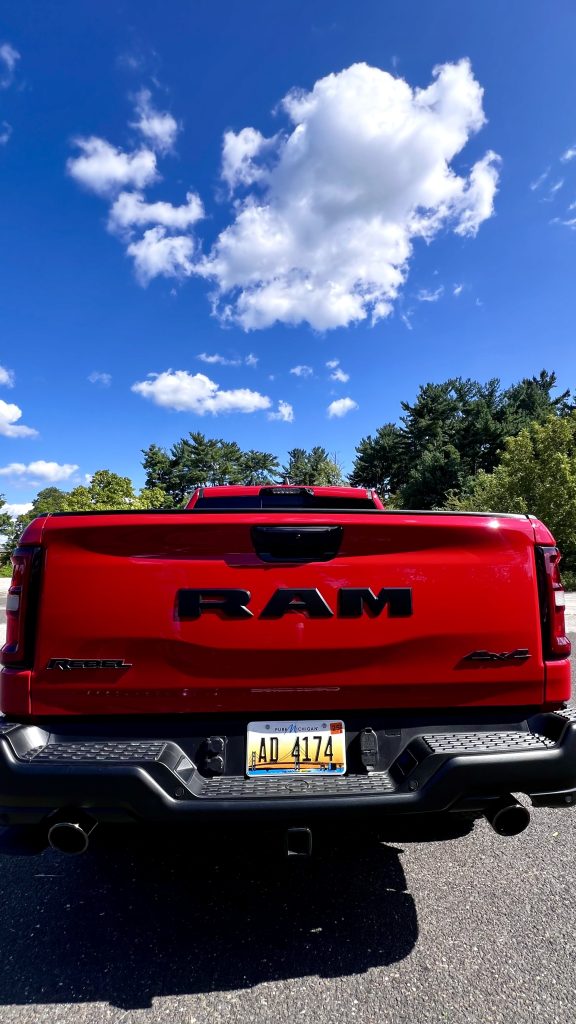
x=109 y=588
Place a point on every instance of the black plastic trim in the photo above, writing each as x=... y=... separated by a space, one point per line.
x=204 y=511
x=46 y=767
x=296 y=543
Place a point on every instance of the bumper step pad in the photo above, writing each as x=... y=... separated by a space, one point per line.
x=239 y=788
x=484 y=742
x=110 y=752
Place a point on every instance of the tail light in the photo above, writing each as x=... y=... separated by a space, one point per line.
x=21 y=605
x=552 y=603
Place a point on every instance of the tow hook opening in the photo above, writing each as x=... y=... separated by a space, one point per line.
x=71 y=833
x=507 y=817
x=298 y=842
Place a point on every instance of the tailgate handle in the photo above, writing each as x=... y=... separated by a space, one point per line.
x=296 y=543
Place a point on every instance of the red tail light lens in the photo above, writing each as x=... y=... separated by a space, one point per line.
x=21 y=608
x=552 y=603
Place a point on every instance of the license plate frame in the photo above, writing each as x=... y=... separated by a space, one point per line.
x=298 y=747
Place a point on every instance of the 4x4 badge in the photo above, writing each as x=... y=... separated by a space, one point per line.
x=520 y=654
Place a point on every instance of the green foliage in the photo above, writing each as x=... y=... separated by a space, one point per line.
x=5 y=520
x=536 y=475
x=437 y=472
x=259 y=468
x=312 y=468
x=49 y=499
x=108 y=491
x=382 y=461
x=11 y=533
x=10 y=530
x=197 y=461
x=451 y=432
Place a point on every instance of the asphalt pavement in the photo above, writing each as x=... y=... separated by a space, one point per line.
x=422 y=926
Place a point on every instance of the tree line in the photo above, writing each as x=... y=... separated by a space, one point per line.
x=461 y=445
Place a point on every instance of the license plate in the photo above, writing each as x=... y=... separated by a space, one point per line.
x=296 y=748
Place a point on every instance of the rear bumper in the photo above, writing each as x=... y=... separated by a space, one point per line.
x=155 y=771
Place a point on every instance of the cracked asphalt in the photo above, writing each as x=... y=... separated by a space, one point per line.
x=425 y=926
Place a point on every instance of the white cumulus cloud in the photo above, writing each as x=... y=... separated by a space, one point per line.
x=340 y=407
x=15 y=508
x=130 y=210
x=326 y=212
x=47 y=472
x=302 y=371
x=158 y=254
x=195 y=392
x=9 y=58
x=285 y=412
x=104 y=169
x=159 y=128
x=325 y=232
x=9 y=426
x=6 y=377
x=239 y=150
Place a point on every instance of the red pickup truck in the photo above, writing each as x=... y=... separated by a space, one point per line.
x=287 y=653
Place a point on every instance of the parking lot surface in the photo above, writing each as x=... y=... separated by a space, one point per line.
x=420 y=926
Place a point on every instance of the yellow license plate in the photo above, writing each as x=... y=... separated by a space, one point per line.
x=296 y=748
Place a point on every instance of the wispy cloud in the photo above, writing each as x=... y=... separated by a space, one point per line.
x=457 y=289
x=6 y=377
x=302 y=371
x=215 y=359
x=568 y=154
x=337 y=373
x=428 y=295
x=539 y=181
x=104 y=379
x=9 y=58
x=552 y=190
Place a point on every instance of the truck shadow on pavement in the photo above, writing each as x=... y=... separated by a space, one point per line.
x=182 y=914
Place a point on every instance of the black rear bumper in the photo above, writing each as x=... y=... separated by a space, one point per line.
x=157 y=771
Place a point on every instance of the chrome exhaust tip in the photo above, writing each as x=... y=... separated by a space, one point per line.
x=71 y=836
x=507 y=817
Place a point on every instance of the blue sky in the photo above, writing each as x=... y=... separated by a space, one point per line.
x=245 y=181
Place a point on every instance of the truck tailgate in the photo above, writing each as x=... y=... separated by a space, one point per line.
x=111 y=588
